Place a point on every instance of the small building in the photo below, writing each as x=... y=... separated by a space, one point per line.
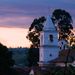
x=61 y=60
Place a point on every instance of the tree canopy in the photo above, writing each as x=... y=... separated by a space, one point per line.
x=6 y=60
x=33 y=35
x=63 y=20
x=34 y=31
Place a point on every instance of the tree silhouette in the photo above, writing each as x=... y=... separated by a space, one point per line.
x=33 y=35
x=33 y=56
x=34 y=31
x=63 y=21
x=6 y=61
x=37 y=24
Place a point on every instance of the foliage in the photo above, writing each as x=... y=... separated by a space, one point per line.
x=34 y=38
x=73 y=47
x=34 y=31
x=58 y=71
x=37 y=24
x=33 y=35
x=6 y=61
x=63 y=20
x=33 y=56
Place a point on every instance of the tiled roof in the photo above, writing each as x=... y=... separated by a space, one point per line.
x=63 y=55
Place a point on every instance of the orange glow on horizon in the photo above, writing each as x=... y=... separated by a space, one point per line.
x=14 y=37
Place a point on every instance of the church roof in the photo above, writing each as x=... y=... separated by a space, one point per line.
x=48 y=25
x=62 y=56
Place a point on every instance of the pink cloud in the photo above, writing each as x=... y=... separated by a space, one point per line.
x=18 y=21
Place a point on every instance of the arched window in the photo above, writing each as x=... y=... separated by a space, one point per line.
x=51 y=37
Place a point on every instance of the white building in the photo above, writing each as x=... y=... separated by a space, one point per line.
x=49 y=47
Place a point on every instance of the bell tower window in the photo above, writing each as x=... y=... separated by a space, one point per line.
x=51 y=37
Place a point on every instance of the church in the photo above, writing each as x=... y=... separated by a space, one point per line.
x=49 y=43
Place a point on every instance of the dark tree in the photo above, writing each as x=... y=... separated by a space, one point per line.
x=37 y=24
x=34 y=31
x=63 y=21
x=33 y=56
x=6 y=61
x=33 y=35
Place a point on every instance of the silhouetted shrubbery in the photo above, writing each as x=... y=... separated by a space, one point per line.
x=6 y=62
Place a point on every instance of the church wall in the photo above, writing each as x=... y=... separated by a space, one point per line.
x=41 y=54
x=49 y=49
x=47 y=38
x=41 y=38
x=50 y=53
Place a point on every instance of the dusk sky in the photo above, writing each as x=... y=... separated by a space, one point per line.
x=17 y=15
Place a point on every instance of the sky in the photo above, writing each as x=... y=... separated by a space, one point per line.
x=17 y=15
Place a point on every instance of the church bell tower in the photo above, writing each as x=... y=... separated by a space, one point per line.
x=49 y=49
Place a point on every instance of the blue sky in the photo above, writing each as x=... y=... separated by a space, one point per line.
x=20 y=13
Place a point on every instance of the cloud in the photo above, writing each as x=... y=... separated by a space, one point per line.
x=19 y=21
x=20 y=13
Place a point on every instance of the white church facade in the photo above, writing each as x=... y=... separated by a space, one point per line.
x=49 y=44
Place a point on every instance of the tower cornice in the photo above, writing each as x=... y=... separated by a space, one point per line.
x=50 y=30
x=50 y=46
